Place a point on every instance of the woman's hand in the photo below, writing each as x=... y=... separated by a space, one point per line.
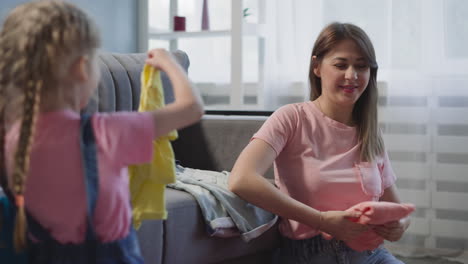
x=340 y=225
x=392 y=231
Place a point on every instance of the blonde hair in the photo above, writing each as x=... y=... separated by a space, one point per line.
x=38 y=42
x=365 y=109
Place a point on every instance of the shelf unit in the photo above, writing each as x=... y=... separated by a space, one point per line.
x=174 y=35
x=239 y=29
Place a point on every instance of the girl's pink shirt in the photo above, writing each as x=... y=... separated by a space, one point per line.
x=318 y=164
x=55 y=193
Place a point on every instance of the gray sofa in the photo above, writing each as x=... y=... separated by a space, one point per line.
x=213 y=144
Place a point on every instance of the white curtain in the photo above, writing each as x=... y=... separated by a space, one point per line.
x=287 y=50
x=422 y=50
x=279 y=51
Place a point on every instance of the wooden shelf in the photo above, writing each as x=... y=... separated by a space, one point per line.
x=168 y=35
x=248 y=30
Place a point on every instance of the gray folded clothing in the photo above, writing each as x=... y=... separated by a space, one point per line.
x=225 y=213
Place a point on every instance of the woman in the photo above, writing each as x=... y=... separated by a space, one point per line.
x=328 y=156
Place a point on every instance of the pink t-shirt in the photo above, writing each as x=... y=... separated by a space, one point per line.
x=55 y=192
x=317 y=163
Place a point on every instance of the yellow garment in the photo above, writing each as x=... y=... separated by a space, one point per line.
x=148 y=181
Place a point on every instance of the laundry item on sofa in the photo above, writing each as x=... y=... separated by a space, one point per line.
x=376 y=213
x=226 y=214
x=148 y=181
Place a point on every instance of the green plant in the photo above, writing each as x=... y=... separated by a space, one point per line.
x=246 y=12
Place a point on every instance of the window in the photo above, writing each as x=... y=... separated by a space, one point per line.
x=261 y=62
x=256 y=53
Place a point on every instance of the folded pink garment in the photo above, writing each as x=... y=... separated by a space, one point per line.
x=375 y=213
x=378 y=213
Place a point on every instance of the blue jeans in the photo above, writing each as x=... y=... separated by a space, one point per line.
x=319 y=250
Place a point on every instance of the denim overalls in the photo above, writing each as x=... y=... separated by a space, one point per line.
x=50 y=251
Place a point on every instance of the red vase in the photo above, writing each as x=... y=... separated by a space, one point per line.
x=179 y=23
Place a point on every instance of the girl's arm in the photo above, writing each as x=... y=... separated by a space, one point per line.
x=392 y=231
x=187 y=107
x=246 y=181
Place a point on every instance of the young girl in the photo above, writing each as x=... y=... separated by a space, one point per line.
x=328 y=156
x=62 y=166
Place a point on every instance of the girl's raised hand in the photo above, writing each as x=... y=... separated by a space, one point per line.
x=160 y=59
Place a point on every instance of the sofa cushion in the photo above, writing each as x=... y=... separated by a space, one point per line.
x=216 y=142
x=186 y=239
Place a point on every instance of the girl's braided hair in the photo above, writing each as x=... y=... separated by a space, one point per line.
x=38 y=42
